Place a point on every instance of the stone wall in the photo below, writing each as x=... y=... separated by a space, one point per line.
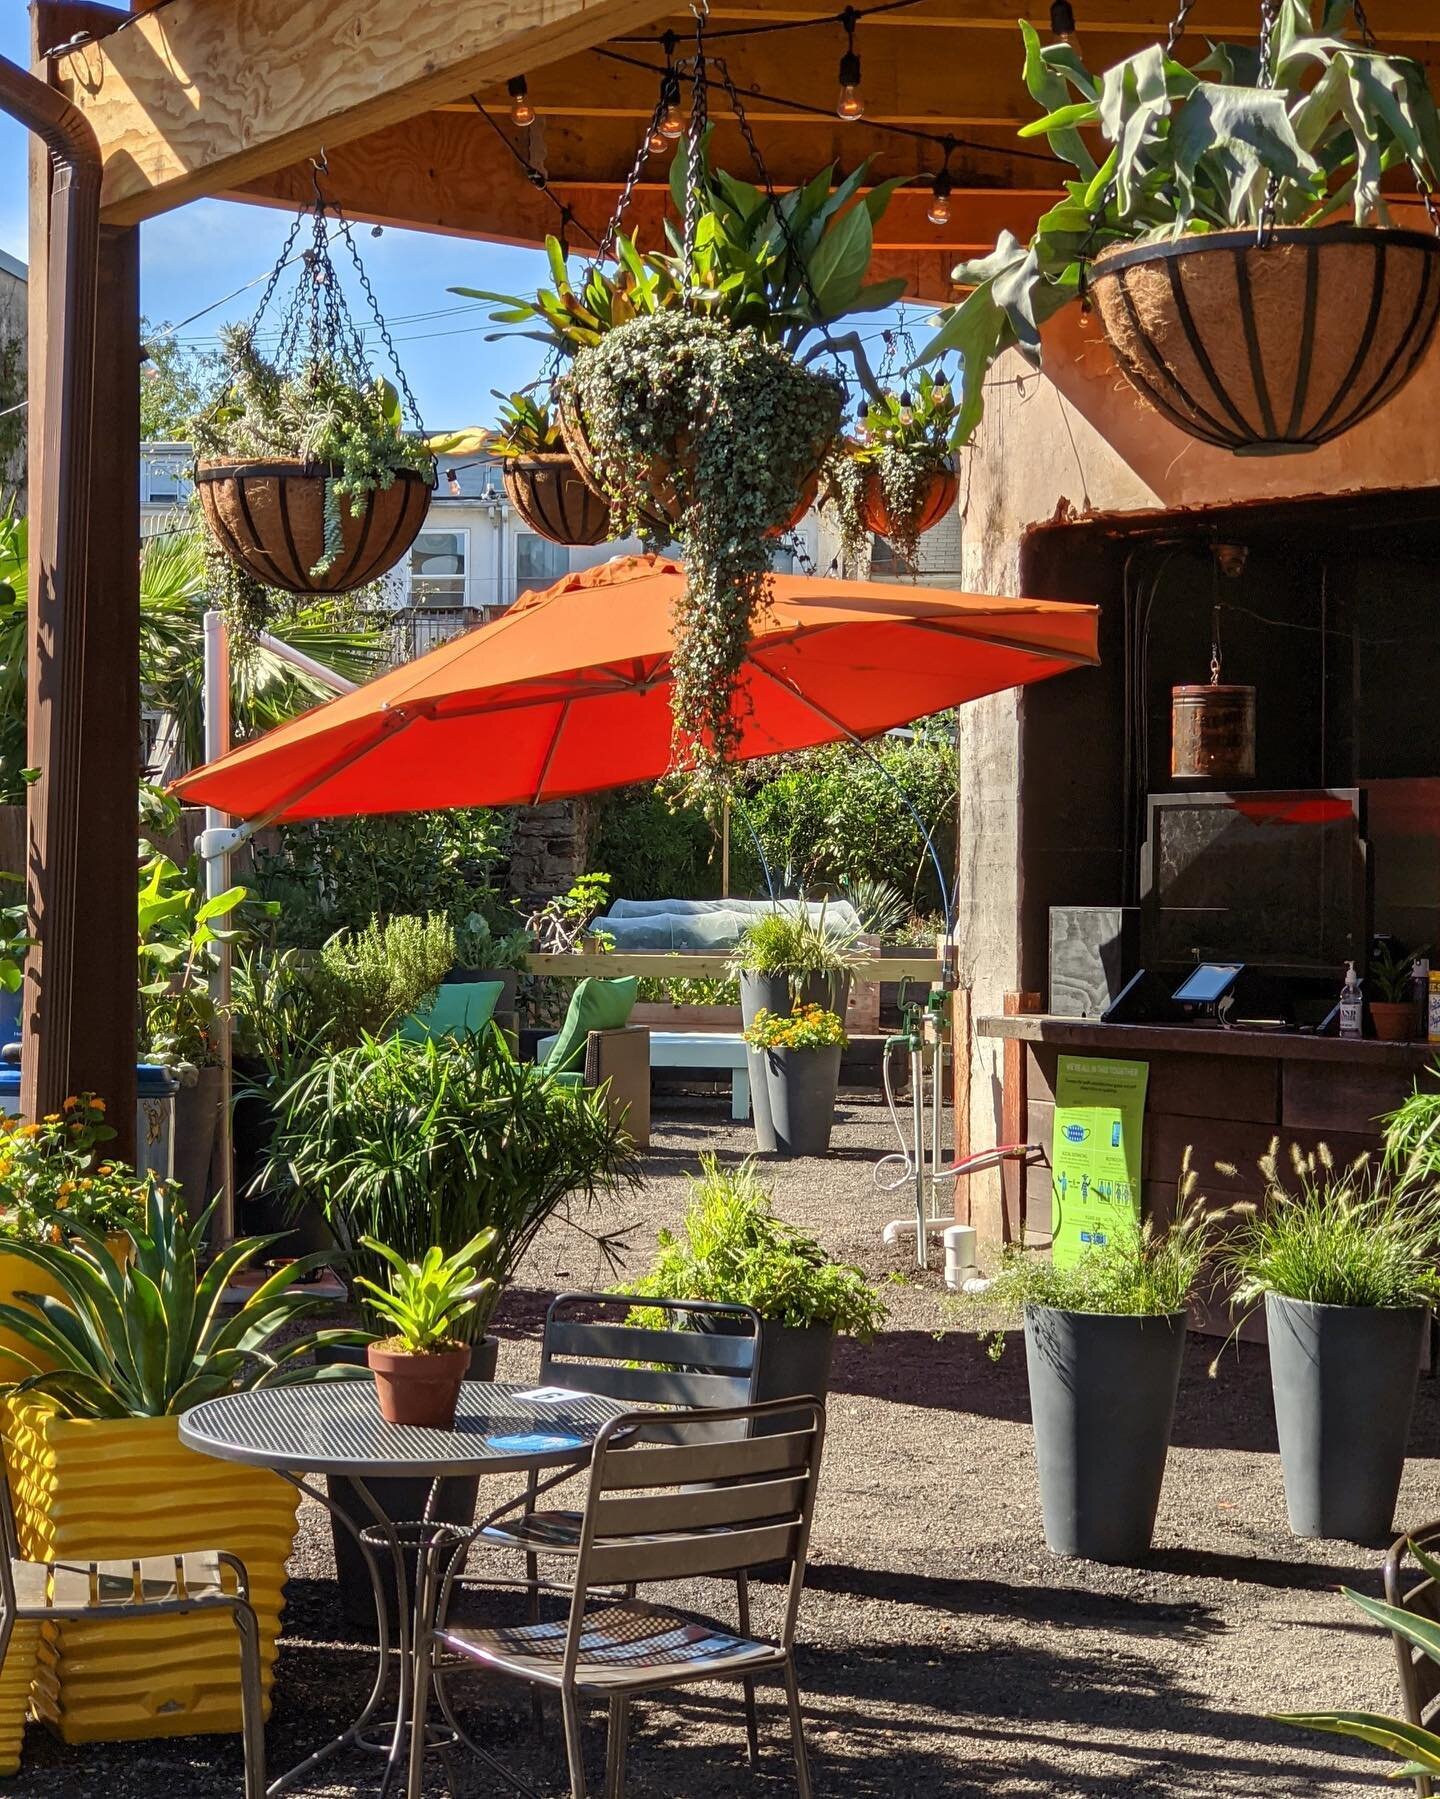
x=549 y=847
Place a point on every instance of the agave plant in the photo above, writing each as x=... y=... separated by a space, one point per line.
x=154 y=1337
x=1419 y=1747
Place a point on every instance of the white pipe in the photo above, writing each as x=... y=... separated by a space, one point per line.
x=307 y=665
x=215 y=702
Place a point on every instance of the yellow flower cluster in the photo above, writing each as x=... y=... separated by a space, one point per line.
x=807 y=1027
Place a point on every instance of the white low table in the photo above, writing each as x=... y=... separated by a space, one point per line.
x=707 y=1049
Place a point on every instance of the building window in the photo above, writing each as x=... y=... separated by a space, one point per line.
x=164 y=483
x=437 y=568
x=885 y=565
x=538 y=562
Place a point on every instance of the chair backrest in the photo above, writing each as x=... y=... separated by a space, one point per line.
x=721 y=1501
x=1419 y=1676
x=715 y=1364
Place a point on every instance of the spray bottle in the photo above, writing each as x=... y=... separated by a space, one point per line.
x=1351 y=1005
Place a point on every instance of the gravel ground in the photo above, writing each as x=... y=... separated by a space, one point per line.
x=942 y=1650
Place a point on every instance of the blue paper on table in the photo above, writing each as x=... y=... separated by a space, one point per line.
x=535 y=1443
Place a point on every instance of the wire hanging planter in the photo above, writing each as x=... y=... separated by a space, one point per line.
x=308 y=479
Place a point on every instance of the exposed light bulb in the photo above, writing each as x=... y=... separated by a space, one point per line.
x=1062 y=24
x=851 y=103
x=907 y=412
x=522 y=113
x=938 y=211
x=940 y=393
x=452 y=481
x=672 y=124
x=656 y=144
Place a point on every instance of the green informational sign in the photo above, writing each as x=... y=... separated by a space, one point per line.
x=1095 y=1158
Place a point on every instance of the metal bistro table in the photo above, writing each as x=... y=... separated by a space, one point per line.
x=335 y=1428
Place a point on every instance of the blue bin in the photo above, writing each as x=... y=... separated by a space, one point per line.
x=156 y=1088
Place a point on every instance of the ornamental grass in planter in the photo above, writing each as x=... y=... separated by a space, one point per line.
x=1343 y=1259
x=98 y=1472
x=731 y=1247
x=1232 y=300
x=1104 y=1342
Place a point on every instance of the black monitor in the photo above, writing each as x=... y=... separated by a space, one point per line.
x=1277 y=881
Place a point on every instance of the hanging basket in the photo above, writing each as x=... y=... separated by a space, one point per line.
x=269 y=518
x=1275 y=350
x=577 y=441
x=938 y=498
x=550 y=495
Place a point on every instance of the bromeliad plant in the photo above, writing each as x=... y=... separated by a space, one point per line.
x=154 y=1337
x=1193 y=151
x=807 y=1027
x=424 y=1301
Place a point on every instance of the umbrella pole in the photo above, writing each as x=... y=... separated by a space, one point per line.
x=216 y=702
x=725 y=849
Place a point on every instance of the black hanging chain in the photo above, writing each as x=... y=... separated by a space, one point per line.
x=606 y=247
x=695 y=153
x=1265 y=232
x=792 y=248
x=318 y=314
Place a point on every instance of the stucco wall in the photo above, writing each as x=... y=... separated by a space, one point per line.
x=1073 y=441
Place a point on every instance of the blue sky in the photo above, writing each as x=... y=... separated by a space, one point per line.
x=194 y=255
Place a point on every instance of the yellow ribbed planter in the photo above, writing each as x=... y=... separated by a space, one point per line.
x=18 y=1276
x=128 y=1487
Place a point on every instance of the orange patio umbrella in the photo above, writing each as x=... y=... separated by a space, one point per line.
x=569 y=692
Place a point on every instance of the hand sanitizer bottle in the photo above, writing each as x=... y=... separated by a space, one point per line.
x=1351 y=1005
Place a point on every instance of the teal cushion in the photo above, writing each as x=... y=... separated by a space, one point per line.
x=461 y=1009
x=595 y=1005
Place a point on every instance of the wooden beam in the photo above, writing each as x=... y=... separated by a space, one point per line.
x=202 y=95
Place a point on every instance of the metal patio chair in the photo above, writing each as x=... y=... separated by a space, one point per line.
x=68 y=1591
x=1419 y=1676
x=696 y=1369
x=656 y=1510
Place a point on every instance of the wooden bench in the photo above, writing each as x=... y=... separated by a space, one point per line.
x=707 y=1049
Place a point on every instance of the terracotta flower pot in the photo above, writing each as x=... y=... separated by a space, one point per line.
x=419 y=1389
x=1394 y=1020
x=554 y=499
x=269 y=519
x=935 y=502
x=1266 y=351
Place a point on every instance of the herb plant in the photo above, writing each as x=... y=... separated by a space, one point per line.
x=155 y=1337
x=1336 y=1235
x=732 y=1247
x=318 y=415
x=1194 y=150
x=425 y=1301
x=806 y=1027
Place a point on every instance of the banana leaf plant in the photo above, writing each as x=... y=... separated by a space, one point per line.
x=1419 y=1747
x=1192 y=150
x=152 y=1338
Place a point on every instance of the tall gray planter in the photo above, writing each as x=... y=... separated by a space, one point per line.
x=773 y=993
x=1102 y=1397
x=1344 y=1384
x=802 y=1085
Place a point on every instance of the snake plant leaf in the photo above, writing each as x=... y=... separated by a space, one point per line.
x=1420 y=1746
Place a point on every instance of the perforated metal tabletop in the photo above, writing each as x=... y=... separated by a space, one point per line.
x=335 y=1427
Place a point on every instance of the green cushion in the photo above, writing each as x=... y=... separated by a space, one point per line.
x=595 y=1005
x=461 y=1009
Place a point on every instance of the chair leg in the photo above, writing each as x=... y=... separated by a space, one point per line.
x=532 y=1616
x=752 y=1724
x=415 y=1778
x=574 y=1753
x=252 y=1701
x=616 y=1746
x=797 y=1731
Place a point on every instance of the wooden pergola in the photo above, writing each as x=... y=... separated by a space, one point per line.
x=408 y=100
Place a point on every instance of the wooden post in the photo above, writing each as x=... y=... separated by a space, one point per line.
x=960 y=1046
x=78 y=1023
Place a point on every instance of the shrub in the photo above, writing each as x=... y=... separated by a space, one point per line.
x=733 y=1248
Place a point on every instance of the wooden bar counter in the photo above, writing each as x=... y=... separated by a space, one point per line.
x=1223 y=1094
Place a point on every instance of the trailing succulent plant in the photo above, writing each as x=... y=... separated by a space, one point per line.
x=904 y=441
x=319 y=414
x=726 y=428
x=1225 y=145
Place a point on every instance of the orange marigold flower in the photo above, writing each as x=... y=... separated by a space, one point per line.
x=71 y=1103
x=96 y=1105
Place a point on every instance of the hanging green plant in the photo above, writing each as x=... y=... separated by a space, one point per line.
x=1224 y=183
x=896 y=479
x=724 y=429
